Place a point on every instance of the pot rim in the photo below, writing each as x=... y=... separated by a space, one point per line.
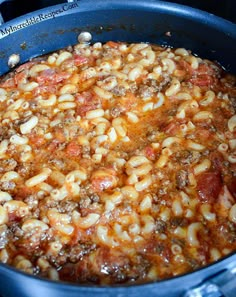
x=227 y=262
x=187 y=12
x=163 y=6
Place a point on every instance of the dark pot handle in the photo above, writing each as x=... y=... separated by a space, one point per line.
x=222 y=284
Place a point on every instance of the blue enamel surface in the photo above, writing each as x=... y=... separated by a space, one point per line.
x=206 y=35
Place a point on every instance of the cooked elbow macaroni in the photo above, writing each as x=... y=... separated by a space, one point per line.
x=117 y=164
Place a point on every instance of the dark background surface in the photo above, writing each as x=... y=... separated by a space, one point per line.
x=224 y=8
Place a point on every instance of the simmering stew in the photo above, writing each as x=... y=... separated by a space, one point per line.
x=117 y=164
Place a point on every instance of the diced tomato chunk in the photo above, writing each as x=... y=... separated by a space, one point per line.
x=53 y=145
x=183 y=65
x=232 y=187
x=209 y=185
x=37 y=140
x=49 y=75
x=81 y=110
x=9 y=83
x=171 y=128
x=25 y=66
x=23 y=192
x=203 y=134
x=149 y=152
x=13 y=217
x=203 y=76
x=45 y=76
x=80 y=60
x=20 y=77
x=86 y=102
x=51 y=89
x=103 y=179
x=102 y=183
x=216 y=160
x=60 y=135
x=202 y=80
x=112 y=44
x=73 y=149
x=84 y=97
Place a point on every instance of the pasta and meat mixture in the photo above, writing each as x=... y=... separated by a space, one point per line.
x=117 y=164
